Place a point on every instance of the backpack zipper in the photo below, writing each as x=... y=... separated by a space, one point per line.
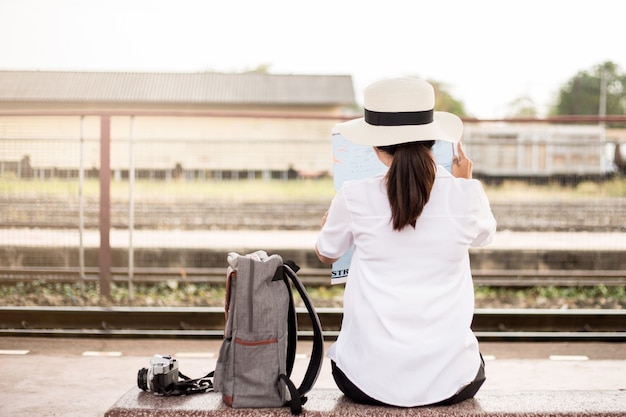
x=250 y=295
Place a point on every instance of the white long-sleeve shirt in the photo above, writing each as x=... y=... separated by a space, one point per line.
x=405 y=339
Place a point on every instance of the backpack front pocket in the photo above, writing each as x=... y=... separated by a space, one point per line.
x=256 y=383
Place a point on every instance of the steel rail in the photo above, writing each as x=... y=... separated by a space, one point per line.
x=209 y=322
x=310 y=276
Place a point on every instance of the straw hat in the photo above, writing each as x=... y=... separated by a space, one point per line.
x=400 y=110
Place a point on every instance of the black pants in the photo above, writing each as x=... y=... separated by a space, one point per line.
x=355 y=394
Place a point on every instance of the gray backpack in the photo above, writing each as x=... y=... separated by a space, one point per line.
x=257 y=355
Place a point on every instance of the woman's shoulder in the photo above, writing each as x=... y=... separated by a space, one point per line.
x=446 y=177
x=463 y=188
x=376 y=180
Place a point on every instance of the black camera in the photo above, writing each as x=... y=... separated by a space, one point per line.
x=161 y=377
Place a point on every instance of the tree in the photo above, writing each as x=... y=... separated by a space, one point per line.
x=260 y=69
x=523 y=106
x=445 y=102
x=583 y=93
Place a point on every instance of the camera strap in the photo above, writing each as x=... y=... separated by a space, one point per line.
x=186 y=385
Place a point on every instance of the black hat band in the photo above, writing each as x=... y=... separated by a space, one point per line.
x=377 y=118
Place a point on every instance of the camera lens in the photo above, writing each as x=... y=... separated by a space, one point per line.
x=142 y=379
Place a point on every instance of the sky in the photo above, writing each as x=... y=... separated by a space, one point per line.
x=487 y=53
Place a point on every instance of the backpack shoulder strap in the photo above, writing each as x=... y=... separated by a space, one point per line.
x=292 y=327
x=317 y=354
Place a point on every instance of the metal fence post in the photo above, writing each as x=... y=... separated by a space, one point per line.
x=131 y=210
x=81 y=207
x=104 y=253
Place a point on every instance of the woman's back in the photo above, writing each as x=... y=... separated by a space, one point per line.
x=409 y=295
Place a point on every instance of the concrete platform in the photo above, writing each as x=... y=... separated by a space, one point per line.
x=332 y=403
x=280 y=239
x=208 y=248
x=83 y=377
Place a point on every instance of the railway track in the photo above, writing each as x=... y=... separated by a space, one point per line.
x=309 y=276
x=208 y=322
x=608 y=215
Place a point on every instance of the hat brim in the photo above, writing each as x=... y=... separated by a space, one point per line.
x=445 y=126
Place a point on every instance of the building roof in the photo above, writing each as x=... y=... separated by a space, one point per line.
x=175 y=88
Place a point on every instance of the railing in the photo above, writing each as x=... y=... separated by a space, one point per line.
x=107 y=146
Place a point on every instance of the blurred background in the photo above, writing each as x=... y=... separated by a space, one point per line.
x=140 y=141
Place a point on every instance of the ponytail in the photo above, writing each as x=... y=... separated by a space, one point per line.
x=409 y=181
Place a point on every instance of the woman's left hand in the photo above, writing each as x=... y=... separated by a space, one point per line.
x=462 y=166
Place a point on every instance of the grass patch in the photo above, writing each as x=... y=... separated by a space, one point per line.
x=554 y=190
x=176 y=294
x=599 y=296
x=153 y=190
x=163 y=294
x=280 y=190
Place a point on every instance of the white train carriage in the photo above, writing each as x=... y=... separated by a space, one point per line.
x=510 y=150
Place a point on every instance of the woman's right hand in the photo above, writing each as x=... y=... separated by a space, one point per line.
x=324 y=218
x=462 y=166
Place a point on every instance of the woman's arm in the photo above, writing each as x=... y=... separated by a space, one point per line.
x=322 y=258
